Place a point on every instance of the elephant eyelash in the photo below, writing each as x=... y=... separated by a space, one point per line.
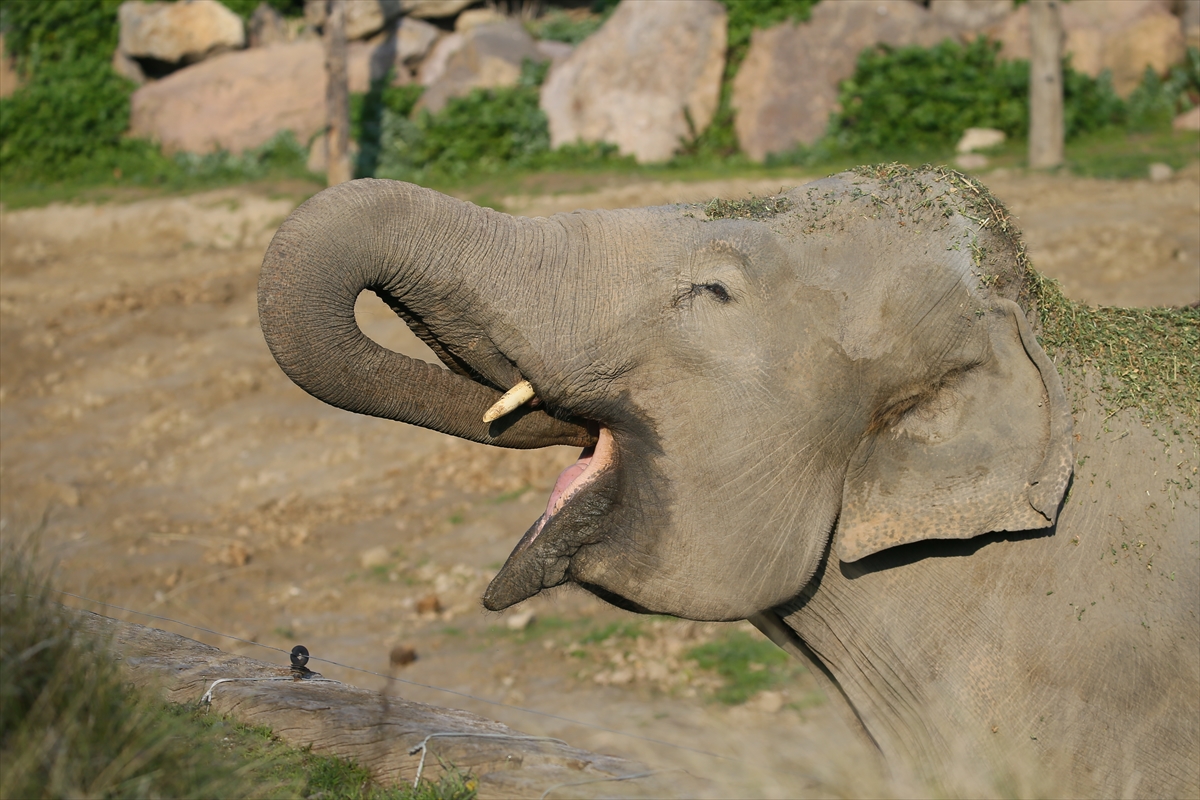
x=717 y=290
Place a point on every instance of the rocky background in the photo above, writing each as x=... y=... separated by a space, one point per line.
x=648 y=77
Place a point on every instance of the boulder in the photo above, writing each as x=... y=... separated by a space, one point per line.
x=434 y=9
x=434 y=66
x=364 y=18
x=266 y=27
x=1154 y=41
x=235 y=101
x=1122 y=36
x=979 y=139
x=970 y=16
x=128 y=67
x=414 y=39
x=477 y=17
x=165 y=35
x=787 y=88
x=647 y=79
x=488 y=56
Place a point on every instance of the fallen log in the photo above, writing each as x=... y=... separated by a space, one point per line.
x=395 y=739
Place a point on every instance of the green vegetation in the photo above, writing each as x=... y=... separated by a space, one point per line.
x=750 y=208
x=245 y=8
x=1146 y=359
x=748 y=664
x=485 y=132
x=67 y=123
x=71 y=726
x=63 y=131
x=917 y=101
x=572 y=27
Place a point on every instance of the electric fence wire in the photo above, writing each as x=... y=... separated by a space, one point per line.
x=533 y=711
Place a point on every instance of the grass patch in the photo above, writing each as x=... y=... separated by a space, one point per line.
x=1147 y=359
x=508 y=497
x=615 y=631
x=1119 y=155
x=72 y=726
x=748 y=664
x=750 y=208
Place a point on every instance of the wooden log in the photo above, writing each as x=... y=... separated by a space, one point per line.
x=383 y=733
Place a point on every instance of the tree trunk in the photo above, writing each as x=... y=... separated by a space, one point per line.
x=1046 y=130
x=337 y=95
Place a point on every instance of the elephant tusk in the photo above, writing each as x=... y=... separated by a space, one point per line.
x=510 y=401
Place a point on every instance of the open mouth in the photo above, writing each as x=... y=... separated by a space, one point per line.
x=581 y=497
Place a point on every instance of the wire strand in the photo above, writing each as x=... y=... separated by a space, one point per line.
x=455 y=692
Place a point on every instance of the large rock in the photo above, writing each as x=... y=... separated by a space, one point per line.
x=414 y=39
x=267 y=26
x=488 y=56
x=970 y=16
x=434 y=9
x=364 y=18
x=178 y=33
x=1122 y=36
x=434 y=66
x=235 y=101
x=787 y=87
x=637 y=80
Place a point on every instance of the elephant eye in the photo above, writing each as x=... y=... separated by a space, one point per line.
x=717 y=290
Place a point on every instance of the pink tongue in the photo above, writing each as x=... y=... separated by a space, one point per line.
x=568 y=477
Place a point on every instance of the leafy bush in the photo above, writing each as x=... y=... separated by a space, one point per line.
x=45 y=32
x=915 y=98
x=68 y=122
x=484 y=132
x=71 y=116
x=566 y=26
x=245 y=8
x=1156 y=101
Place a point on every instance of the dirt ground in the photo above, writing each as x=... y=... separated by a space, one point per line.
x=153 y=451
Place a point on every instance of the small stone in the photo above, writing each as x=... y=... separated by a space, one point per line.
x=402 y=655
x=374 y=557
x=971 y=161
x=769 y=702
x=520 y=620
x=974 y=139
x=1160 y=172
x=234 y=554
x=429 y=604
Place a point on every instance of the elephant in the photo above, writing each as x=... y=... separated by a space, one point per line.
x=827 y=412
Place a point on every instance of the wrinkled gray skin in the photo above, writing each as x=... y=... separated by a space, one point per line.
x=834 y=422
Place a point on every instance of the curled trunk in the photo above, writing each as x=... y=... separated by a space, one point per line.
x=417 y=250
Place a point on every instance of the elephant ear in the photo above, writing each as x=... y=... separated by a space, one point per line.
x=987 y=450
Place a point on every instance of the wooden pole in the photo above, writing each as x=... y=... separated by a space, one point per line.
x=337 y=95
x=1046 y=130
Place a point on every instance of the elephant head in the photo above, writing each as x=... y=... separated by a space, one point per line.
x=840 y=369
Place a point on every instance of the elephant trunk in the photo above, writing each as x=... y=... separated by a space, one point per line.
x=420 y=252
